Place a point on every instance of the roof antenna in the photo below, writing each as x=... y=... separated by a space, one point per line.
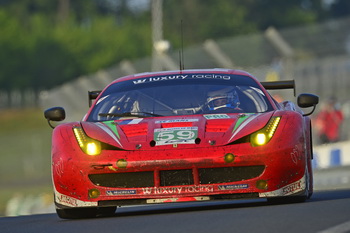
x=181 y=52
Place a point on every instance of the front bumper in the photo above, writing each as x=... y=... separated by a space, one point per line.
x=202 y=174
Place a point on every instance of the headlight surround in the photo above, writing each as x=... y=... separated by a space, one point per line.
x=264 y=135
x=88 y=145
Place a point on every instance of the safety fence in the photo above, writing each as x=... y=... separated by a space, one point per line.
x=19 y=99
x=332 y=155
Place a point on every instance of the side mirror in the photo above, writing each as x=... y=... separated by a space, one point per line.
x=306 y=100
x=55 y=114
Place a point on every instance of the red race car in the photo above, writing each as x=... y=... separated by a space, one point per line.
x=177 y=136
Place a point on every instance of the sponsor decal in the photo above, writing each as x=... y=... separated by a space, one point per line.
x=177 y=135
x=214 y=76
x=181 y=77
x=70 y=201
x=292 y=188
x=216 y=116
x=295 y=155
x=233 y=187
x=159 y=78
x=179 y=199
x=178 y=190
x=120 y=192
x=287 y=190
x=176 y=121
x=63 y=199
x=58 y=167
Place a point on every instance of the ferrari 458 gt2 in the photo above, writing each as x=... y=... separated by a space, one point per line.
x=177 y=136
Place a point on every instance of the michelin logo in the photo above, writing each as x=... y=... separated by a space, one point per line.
x=120 y=192
x=233 y=187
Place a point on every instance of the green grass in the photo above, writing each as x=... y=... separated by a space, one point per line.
x=25 y=142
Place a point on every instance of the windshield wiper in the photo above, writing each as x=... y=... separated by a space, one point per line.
x=128 y=114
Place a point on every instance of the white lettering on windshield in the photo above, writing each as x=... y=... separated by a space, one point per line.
x=181 y=77
x=215 y=76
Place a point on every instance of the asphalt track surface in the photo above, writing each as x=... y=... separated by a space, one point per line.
x=327 y=211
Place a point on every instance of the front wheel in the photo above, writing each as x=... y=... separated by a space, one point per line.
x=286 y=200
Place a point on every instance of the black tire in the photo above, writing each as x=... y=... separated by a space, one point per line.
x=286 y=200
x=310 y=172
x=85 y=212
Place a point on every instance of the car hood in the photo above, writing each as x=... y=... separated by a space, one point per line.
x=188 y=131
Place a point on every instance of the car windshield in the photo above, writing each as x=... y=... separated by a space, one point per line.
x=180 y=94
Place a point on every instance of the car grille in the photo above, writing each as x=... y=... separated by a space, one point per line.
x=123 y=180
x=176 y=177
x=228 y=174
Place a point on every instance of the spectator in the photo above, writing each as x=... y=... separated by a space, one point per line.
x=328 y=122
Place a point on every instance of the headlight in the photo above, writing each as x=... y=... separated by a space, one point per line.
x=88 y=145
x=264 y=135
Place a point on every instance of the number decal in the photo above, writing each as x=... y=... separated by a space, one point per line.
x=179 y=135
x=185 y=134
x=164 y=136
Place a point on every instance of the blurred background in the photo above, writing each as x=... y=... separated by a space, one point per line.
x=53 y=52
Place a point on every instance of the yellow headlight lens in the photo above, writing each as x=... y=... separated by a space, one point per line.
x=93 y=148
x=80 y=136
x=264 y=135
x=260 y=139
x=272 y=126
x=88 y=145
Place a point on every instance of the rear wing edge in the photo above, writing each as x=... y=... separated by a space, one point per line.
x=93 y=95
x=277 y=85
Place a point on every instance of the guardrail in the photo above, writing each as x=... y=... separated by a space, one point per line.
x=331 y=155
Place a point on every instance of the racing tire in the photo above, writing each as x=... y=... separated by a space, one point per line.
x=310 y=172
x=286 y=200
x=289 y=199
x=86 y=212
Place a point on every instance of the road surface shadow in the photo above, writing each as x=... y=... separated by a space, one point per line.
x=217 y=205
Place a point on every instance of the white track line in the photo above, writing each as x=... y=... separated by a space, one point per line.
x=341 y=228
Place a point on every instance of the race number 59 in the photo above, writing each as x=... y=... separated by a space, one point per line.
x=180 y=135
